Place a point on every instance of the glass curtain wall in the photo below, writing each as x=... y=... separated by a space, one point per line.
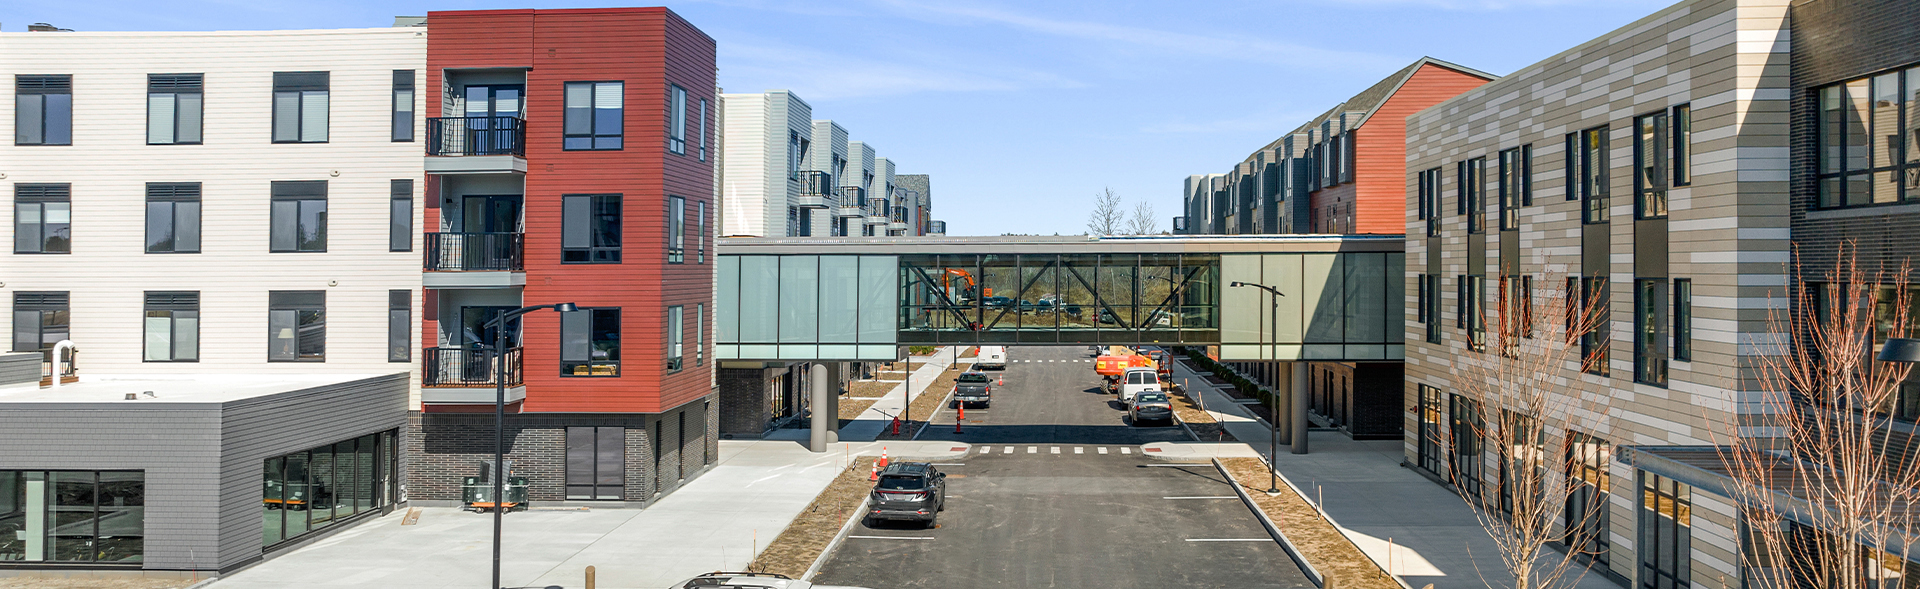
x=313 y=489
x=72 y=516
x=1055 y=298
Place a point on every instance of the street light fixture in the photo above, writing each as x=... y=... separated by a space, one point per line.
x=1273 y=419
x=499 y=324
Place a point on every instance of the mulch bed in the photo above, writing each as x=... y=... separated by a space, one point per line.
x=870 y=388
x=1318 y=541
x=924 y=406
x=795 y=549
x=99 y=583
x=1200 y=422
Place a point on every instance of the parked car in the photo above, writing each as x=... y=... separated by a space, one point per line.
x=1071 y=310
x=994 y=302
x=972 y=387
x=910 y=491
x=991 y=356
x=1138 y=380
x=1150 y=406
x=737 y=580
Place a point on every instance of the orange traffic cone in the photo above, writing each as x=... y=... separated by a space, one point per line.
x=1003 y=381
x=963 y=417
x=875 y=475
x=882 y=463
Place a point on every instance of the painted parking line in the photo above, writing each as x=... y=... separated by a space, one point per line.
x=893 y=537
x=1126 y=450
x=1056 y=449
x=1079 y=450
x=1009 y=450
x=986 y=449
x=1103 y=449
x=1207 y=539
x=1032 y=449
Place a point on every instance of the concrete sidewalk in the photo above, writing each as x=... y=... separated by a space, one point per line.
x=1373 y=499
x=869 y=425
x=718 y=521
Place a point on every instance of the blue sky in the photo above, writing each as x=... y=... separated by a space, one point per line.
x=1021 y=111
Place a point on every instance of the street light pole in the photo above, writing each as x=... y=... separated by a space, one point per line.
x=1273 y=417
x=500 y=419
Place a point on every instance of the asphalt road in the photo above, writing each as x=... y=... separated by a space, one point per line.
x=1073 y=504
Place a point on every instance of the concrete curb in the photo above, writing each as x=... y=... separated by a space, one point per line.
x=1313 y=575
x=1322 y=512
x=936 y=413
x=845 y=529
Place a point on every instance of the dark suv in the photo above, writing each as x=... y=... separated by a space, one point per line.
x=972 y=388
x=910 y=491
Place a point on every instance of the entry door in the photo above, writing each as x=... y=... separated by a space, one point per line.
x=491 y=213
x=484 y=104
x=476 y=334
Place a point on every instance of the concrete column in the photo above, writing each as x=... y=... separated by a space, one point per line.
x=835 y=379
x=817 y=438
x=1282 y=423
x=1299 y=413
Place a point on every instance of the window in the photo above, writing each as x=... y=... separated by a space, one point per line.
x=299 y=217
x=1593 y=342
x=1431 y=421
x=596 y=463
x=1432 y=289
x=590 y=228
x=40 y=320
x=1525 y=444
x=1516 y=311
x=1585 y=517
x=173 y=217
x=173 y=109
x=1650 y=166
x=1572 y=166
x=172 y=327
x=676 y=229
x=676 y=336
x=1347 y=171
x=1473 y=181
x=700 y=334
x=400 y=325
x=1866 y=143
x=1649 y=337
x=703 y=129
x=70 y=516
x=590 y=342
x=1683 y=319
x=797 y=148
x=1593 y=175
x=1468 y=466
x=1510 y=190
x=1430 y=200
x=402 y=105
x=595 y=117
x=316 y=488
x=43 y=218
x=43 y=110
x=700 y=231
x=677 y=119
x=300 y=107
x=297 y=326
x=400 y=216
x=1682 y=145
x=1666 y=532
x=1473 y=293
x=1421 y=297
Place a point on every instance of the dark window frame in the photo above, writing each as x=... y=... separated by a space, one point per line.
x=42 y=87
x=676 y=338
x=400 y=325
x=1595 y=344
x=676 y=230
x=1681 y=116
x=52 y=319
x=589 y=474
x=304 y=194
x=1650 y=317
x=309 y=312
x=403 y=107
x=1902 y=167
x=1595 y=184
x=703 y=129
x=301 y=86
x=400 y=215
x=588 y=131
x=171 y=197
x=676 y=119
x=1473 y=188
x=1510 y=192
x=175 y=86
x=602 y=239
x=172 y=304
x=1650 y=165
x=1666 y=559
x=570 y=363
x=1682 y=313
x=48 y=238
x=1571 y=167
x=1588 y=497
x=1432 y=287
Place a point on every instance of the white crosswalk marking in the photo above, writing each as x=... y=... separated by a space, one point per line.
x=1009 y=450
x=1079 y=450
x=1056 y=449
x=1032 y=450
x=1126 y=450
x=1103 y=449
x=986 y=449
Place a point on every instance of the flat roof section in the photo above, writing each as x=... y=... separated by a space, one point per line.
x=1074 y=244
x=172 y=390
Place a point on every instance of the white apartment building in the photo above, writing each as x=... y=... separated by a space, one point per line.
x=768 y=138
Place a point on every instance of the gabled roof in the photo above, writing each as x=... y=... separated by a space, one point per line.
x=1370 y=99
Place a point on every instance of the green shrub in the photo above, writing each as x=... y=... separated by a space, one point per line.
x=921 y=350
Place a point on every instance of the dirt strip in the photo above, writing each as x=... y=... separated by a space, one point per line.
x=93 y=583
x=795 y=549
x=1318 y=541
x=1201 y=422
x=924 y=406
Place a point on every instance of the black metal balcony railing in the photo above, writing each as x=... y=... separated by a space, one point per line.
x=477 y=136
x=467 y=368
x=852 y=196
x=476 y=252
x=816 y=183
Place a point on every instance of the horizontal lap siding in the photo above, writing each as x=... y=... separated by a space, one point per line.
x=1381 y=146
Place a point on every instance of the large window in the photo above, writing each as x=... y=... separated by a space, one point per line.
x=590 y=228
x=677 y=119
x=42 y=218
x=1585 y=517
x=1429 y=192
x=1650 y=173
x=1867 y=150
x=1571 y=168
x=1683 y=145
x=43 y=110
x=400 y=216
x=595 y=115
x=40 y=320
x=1469 y=468
x=299 y=217
x=172 y=327
x=403 y=105
x=314 y=489
x=1473 y=307
x=676 y=337
x=596 y=463
x=1593 y=175
x=590 y=342
x=297 y=326
x=1473 y=181
x=1432 y=424
x=400 y=325
x=300 y=107
x=676 y=229
x=1431 y=289
x=173 y=109
x=173 y=217
x=1666 y=533
x=73 y=516
x=1515 y=185
x=1683 y=319
x=1593 y=306
x=1649 y=331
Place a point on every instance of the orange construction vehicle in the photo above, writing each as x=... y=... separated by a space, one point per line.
x=1114 y=364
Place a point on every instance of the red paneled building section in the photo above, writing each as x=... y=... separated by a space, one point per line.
x=650 y=50
x=1377 y=195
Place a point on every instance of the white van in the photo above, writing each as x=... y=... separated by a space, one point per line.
x=991 y=357
x=1138 y=380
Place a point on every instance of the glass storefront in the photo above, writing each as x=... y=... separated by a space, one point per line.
x=68 y=516
x=311 y=490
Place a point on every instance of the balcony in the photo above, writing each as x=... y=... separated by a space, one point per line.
x=475 y=260
x=476 y=145
x=467 y=376
x=816 y=190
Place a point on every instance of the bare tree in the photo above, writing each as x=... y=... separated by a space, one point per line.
x=1823 y=446
x=1517 y=405
x=1143 y=222
x=1106 y=216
